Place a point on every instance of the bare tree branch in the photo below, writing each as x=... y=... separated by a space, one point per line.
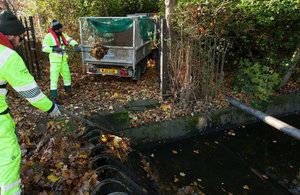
x=4 y=5
x=291 y=66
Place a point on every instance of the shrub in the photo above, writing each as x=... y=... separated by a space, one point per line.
x=256 y=80
x=266 y=34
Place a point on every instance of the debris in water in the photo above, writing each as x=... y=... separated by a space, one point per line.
x=231 y=132
x=246 y=187
x=265 y=176
x=176 y=180
x=196 y=151
x=98 y=51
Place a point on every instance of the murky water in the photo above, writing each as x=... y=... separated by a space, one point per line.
x=252 y=159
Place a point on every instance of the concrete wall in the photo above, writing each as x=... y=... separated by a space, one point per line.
x=209 y=122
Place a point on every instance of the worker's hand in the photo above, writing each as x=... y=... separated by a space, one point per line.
x=57 y=49
x=54 y=111
x=77 y=48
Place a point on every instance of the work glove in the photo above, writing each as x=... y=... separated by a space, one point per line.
x=54 y=111
x=77 y=48
x=57 y=49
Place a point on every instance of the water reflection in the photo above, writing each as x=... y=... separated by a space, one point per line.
x=250 y=159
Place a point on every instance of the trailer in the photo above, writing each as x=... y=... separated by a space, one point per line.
x=129 y=40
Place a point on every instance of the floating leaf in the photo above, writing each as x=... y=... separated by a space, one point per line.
x=231 y=132
x=265 y=176
x=196 y=151
x=246 y=187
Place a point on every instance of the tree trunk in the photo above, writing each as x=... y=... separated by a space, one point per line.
x=170 y=5
x=4 y=5
x=291 y=67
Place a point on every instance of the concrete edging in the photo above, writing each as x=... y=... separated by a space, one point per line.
x=209 y=122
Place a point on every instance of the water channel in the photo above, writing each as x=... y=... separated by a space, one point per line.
x=251 y=159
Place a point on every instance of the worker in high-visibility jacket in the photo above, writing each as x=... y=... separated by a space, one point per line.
x=14 y=72
x=54 y=44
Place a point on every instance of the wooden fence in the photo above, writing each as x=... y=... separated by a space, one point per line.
x=196 y=67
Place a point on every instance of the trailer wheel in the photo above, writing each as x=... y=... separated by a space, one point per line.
x=144 y=65
x=138 y=72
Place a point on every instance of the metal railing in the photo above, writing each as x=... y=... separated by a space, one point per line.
x=28 y=48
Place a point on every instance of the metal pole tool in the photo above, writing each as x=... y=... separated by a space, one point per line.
x=74 y=116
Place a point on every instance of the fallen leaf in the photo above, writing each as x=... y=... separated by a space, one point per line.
x=165 y=107
x=82 y=156
x=174 y=152
x=30 y=163
x=116 y=95
x=53 y=178
x=59 y=165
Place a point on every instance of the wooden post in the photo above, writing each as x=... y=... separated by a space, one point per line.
x=163 y=58
x=281 y=126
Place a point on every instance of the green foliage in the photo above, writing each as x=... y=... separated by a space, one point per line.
x=265 y=32
x=256 y=80
x=68 y=11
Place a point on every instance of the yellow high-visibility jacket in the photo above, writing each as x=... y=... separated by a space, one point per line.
x=14 y=72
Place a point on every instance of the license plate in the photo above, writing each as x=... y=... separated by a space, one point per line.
x=111 y=71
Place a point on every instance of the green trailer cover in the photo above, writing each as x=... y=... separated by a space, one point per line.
x=106 y=26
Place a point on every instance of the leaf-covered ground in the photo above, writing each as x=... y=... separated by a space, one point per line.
x=54 y=156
